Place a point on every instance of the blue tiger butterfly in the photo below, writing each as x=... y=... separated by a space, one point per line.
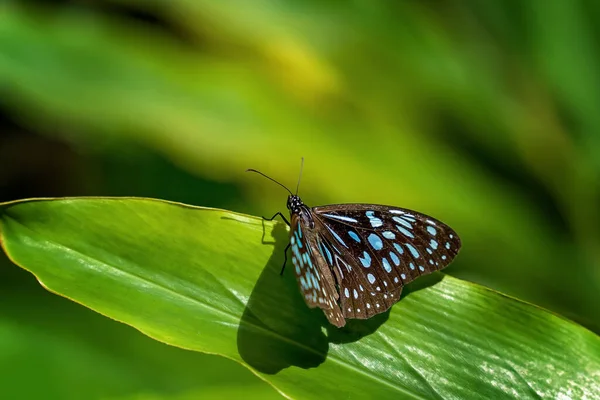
x=352 y=260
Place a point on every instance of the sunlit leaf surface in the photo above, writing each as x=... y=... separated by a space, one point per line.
x=208 y=280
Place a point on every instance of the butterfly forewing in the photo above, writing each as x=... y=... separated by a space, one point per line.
x=376 y=250
x=313 y=273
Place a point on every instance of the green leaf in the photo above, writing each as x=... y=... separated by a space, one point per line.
x=208 y=280
x=70 y=344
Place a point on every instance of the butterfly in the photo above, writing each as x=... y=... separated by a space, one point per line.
x=352 y=260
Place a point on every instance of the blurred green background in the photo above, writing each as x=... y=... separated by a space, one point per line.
x=483 y=114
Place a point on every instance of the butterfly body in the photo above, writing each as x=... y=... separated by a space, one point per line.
x=352 y=260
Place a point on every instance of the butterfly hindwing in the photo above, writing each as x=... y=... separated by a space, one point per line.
x=378 y=249
x=314 y=276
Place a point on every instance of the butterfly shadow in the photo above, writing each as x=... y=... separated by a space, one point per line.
x=277 y=330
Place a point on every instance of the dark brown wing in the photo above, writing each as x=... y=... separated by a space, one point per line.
x=313 y=272
x=377 y=249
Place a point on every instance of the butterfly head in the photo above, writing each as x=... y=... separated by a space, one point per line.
x=294 y=204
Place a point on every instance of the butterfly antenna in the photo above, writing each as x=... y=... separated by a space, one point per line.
x=300 y=177
x=268 y=177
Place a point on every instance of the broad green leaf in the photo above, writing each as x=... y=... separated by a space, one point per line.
x=72 y=353
x=69 y=366
x=208 y=280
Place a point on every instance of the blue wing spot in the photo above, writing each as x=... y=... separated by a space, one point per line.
x=320 y=248
x=326 y=251
x=346 y=292
x=375 y=222
x=405 y=232
x=395 y=279
x=421 y=268
x=355 y=293
x=429 y=250
x=394 y=258
x=354 y=236
x=412 y=250
x=448 y=245
x=307 y=260
x=402 y=276
x=433 y=244
x=375 y=241
x=431 y=262
x=389 y=235
x=431 y=230
x=329 y=255
x=403 y=222
x=451 y=236
x=299 y=231
x=399 y=248
x=408 y=217
x=412 y=266
x=309 y=279
x=444 y=257
x=303 y=283
x=298 y=241
x=386 y=265
x=315 y=282
x=336 y=236
x=365 y=260
x=371 y=278
x=293 y=240
x=297 y=269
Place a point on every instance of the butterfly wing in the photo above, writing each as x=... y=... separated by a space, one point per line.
x=312 y=272
x=376 y=250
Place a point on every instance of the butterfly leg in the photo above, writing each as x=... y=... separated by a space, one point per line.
x=285 y=258
x=274 y=216
x=286 y=247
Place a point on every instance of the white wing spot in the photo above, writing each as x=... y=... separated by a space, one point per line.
x=341 y=218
